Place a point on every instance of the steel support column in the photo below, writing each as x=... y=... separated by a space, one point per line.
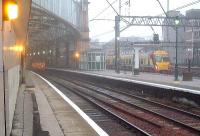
x=117 y=35
x=176 y=65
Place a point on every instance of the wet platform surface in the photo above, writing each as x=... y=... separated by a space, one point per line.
x=57 y=117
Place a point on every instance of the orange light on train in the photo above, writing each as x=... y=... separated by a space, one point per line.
x=10 y=9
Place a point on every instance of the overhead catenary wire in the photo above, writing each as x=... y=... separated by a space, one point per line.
x=184 y=6
x=105 y=9
x=178 y=8
x=107 y=32
x=166 y=14
x=112 y=7
x=162 y=8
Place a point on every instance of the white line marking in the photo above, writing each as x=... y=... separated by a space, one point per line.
x=136 y=81
x=99 y=130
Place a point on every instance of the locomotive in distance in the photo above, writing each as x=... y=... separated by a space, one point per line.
x=150 y=61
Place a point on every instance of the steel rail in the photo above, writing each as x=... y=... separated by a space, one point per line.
x=171 y=119
x=146 y=100
x=106 y=110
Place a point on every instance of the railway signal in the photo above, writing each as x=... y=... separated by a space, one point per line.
x=156 y=38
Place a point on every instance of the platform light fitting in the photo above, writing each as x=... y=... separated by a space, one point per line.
x=10 y=9
x=177 y=21
x=16 y=48
x=77 y=55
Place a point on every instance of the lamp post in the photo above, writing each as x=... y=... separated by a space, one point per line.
x=176 y=65
x=117 y=35
x=10 y=10
x=77 y=56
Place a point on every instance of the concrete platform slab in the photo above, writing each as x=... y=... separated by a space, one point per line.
x=150 y=79
x=154 y=78
x=23 y=117
x=57 y=116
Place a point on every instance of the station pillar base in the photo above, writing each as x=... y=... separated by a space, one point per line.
x=136 y=71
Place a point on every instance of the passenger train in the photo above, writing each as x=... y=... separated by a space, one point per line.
x=38 y=65
x=151 y=61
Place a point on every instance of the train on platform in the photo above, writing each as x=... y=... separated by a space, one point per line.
x=150 y=61
x=38 y=65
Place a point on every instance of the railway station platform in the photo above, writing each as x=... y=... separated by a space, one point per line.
x=156 y=78
x=151 y=79
x=43 y=110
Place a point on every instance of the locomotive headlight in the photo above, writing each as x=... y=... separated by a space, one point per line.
x=156 y=67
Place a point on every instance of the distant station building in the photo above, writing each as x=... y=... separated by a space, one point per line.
x=169 y=36
x=192 y=34
x=109 y=47
x=93 y=60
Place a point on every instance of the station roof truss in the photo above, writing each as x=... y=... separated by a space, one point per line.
x=44 y=26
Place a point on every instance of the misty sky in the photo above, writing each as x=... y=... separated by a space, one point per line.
x=138 y=8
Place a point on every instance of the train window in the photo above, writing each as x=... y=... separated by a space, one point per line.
x=158 y=58
x=161 y=58
x=165 y=58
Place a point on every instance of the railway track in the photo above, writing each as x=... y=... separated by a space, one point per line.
x=150 y=117
x=160 y=108
x=110 y=122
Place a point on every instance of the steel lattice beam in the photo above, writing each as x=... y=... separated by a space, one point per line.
x=161 y=21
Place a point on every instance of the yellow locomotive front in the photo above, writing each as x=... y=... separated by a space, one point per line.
x=161 y=61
